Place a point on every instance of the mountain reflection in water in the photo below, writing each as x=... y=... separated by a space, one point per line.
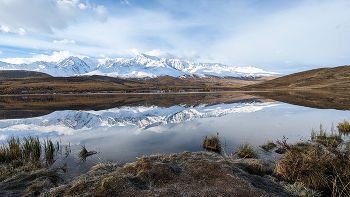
x=121 y=127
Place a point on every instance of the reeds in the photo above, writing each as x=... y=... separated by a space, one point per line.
x=327 y=139
x=29 y=149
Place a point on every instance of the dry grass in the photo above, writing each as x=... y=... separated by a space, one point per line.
x=84 y=153
x=185 y=174
x=317 y=164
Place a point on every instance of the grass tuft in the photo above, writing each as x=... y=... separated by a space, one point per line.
x=212 y=142
x=344 y=127
x=246 y=150
x=268 y=145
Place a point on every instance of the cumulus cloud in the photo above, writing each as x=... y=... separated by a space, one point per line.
x=56 y=56
x=64 y=41
x=39 y=16
x=101 y=13
x=192 y=56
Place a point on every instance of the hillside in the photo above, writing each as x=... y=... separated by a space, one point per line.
x=321 y=78
x=30 y=82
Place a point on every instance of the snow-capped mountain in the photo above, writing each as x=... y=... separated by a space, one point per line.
x=140 y=66
x=144 y=117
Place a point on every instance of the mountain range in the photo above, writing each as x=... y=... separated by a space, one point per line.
x=140 y=66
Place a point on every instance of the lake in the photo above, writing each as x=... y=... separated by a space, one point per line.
x=121 y=127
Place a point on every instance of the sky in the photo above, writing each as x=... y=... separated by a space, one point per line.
x=275 y=35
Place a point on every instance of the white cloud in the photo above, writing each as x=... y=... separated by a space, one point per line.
x=64 y=41
x=278 y=52
x=126 y=2
x=288 y=63
x=19 y=31
x=132 y=51
x=56 y=56
x=83 y=6
x=0 y=52
x=3 y=137
x=192 y=56
x=40 y=16
x=101 y=13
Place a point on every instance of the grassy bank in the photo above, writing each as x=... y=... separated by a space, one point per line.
x=319 y=166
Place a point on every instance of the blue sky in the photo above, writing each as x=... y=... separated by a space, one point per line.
x=275 y=35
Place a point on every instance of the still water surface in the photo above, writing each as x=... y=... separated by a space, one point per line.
x=128 y=126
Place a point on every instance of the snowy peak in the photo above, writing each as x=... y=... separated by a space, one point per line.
x=141 y=65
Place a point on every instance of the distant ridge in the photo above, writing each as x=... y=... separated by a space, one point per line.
x=18 y=74
x=140 y=66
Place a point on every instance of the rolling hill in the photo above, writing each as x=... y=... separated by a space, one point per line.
x=321 y=78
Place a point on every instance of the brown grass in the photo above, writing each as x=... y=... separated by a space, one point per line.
x=316 y=167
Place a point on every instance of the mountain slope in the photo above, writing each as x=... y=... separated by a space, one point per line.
x=321 y=78
x=140 y=66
